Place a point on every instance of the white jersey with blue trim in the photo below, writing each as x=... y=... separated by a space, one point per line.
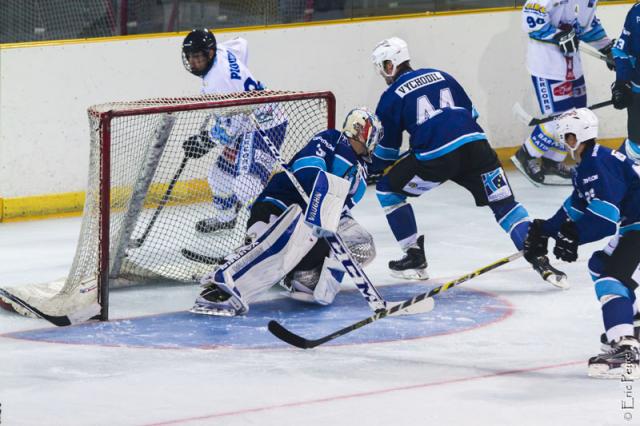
x=328 y=151
x=544 y=19
x=606 y=196
x=229 y=72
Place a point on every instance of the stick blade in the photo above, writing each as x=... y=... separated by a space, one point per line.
x=522 y=115
x=421 y=307
x=288 y=337
x=201 y=258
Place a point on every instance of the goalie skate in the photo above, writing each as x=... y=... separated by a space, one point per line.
x=550 y=274
x=215 y=301
x=622 y=361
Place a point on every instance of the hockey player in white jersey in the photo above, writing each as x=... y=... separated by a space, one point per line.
x=555 y=29
x=286 y=241
x=244 y=166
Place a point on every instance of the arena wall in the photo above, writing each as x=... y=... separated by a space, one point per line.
x=45 y=88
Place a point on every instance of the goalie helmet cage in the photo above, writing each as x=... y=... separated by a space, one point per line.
x=144 y=196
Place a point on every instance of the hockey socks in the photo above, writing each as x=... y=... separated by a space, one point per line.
x=403 y=224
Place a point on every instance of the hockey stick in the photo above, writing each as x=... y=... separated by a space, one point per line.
x=138 y=242
x=300 y=342
x=342 y=254
x=594 y=53
x=529 y=120
x=202 y=258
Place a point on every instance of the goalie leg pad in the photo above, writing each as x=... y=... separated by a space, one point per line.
x=266 y=261
x=319 y=285
x=329 y=283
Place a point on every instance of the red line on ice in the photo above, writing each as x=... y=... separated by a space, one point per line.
x=363 y=394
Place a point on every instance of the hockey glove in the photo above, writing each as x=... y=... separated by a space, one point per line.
x=607 y=51
x=567 y=242
x=567 y=41
x=197 y=145
x=621 y=94
x=535 y=245
x=373 y=178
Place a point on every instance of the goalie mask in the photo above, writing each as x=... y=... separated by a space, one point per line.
x=394 y=50
x=581 y=122
x=196 y=51
x=364 y=127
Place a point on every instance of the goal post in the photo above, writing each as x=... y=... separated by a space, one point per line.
x=149 y=192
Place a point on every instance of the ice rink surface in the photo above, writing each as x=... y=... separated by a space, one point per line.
x=505 y=348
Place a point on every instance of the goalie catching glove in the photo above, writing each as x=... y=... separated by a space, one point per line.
x=198 y=145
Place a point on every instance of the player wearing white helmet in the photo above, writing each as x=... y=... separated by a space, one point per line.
x=446 y=143
x=605 y=202
x=291 y=250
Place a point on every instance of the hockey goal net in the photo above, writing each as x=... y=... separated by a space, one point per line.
x=150 y=198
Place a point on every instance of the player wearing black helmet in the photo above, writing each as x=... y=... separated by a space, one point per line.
x=199 y=51
x=241 y=171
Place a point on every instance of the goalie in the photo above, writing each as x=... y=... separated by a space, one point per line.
x=285 y=246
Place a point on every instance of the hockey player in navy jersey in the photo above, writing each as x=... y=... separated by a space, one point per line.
x=605 y=202
x=446 y=143
x=626 y=89
x=284 y=246
x=555 y=29
x=244 y=166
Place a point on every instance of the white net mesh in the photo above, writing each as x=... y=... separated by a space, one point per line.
x=170 y=214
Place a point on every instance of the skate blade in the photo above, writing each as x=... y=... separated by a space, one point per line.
x=411 y=274
x=520 y=168
x=555 y=180
x=560 y=282
x=421 y=307
x=602 y=371
x=216 y=312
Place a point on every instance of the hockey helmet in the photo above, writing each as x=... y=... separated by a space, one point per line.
x=198 y=40
x=393 y=49
x=363 y=126
x=581 y=122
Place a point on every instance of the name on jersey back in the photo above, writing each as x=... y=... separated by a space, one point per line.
x=418 y=82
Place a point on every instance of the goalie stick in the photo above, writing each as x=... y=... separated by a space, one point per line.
x=300 y=342
x=529 y=120
x=353 y=268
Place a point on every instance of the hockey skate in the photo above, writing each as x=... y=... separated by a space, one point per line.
x=606 y=345
x=622 y=361
x=413 y=265
x=217 y=300
x=528 y=166
x=299 y=285
x=550 y=274
x=556 y=173
x=207 y=226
